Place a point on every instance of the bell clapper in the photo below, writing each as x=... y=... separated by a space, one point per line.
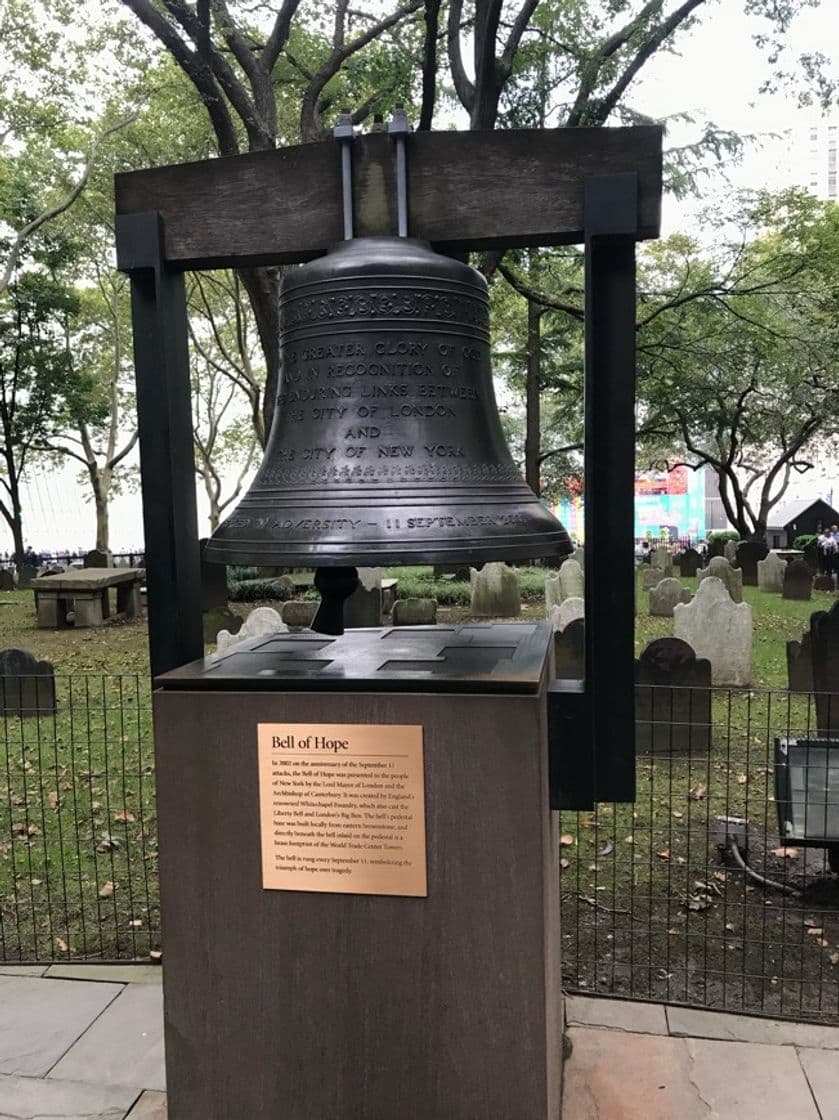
x=335 y=585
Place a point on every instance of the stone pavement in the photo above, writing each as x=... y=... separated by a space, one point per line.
x=85 y=1042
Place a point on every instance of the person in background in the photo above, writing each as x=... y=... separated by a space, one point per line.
x=825 y=546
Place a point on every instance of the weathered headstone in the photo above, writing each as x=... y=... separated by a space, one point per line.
x=650 y=577
x=213 y=583
x=798 y=581
x=27 y=685
x=495 y=591
x=748 y=554
x=299 y=613
x=7 y=580
x=262 y=621
x=729 y=551
x=571 y=579
x=770 y=573
x=662 y=562
x=364 y=606
x=718 y=629
x=672 y=699
x=218 y=619
x=414 y=612
x=824 y=583
x=800 y=664
x=580 y=556
x=689 y=562
x=553 y=591
x=570 y=651
x=97 y=559
x=719 y=568
x=26 y=573
x=566 y=612
x=665 y=595
x=53 y=570
x=824 y=638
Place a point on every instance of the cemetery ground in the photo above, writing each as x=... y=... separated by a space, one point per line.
x=650 y=907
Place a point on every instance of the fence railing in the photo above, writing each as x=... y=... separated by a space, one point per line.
x=656 y=904
x=78 y=847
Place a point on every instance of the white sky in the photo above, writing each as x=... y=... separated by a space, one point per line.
x=716 y=76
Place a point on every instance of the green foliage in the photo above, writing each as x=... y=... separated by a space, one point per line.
x=256 y=590
x=805 y=540
x=724 y=535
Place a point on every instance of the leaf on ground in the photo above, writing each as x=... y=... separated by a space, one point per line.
x=124 y=815
x=96 y=806
x=665 y=854
x=833 y=958
x=52 y=798
x=593 y=867
x=784 y=853
x=607 y=849
x=730 y=927
x=62 y=945
x=720 y=875
x=742 y=779
x=155 y=955
x=697 y=792
x=106 y=890
x=566 y=840
x=677 y=814
x=815 y=931
x=136 y=922
x=108 y=844
x=33 y=830
x=565 y=864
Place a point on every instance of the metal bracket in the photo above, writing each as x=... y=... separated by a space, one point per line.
x=344 y=134
x=399 y=128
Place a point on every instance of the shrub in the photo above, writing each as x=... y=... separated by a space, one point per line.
x=724 y=535
x=804 y=540
x=280 y=589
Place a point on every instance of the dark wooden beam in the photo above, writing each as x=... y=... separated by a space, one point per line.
x=466 y=191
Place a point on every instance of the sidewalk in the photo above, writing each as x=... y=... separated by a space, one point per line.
x=85 y=1042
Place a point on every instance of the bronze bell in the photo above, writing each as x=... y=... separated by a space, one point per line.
x=386 y=446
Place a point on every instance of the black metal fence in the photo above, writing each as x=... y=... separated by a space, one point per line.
x=78 y=848
x=656 y=901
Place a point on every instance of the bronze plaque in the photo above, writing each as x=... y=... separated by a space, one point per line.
x=342 y=808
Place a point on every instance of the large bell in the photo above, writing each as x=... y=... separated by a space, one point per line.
x=386 y=446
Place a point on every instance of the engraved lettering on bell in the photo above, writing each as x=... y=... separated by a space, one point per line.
x=386 y=444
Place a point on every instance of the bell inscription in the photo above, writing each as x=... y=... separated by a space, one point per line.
x=387 y=441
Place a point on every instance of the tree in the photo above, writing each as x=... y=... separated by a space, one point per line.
x=744 y=382
x=37 y=382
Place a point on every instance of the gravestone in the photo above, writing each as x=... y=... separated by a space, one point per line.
x=716 y=548
x=800 y=665
x=570 y=651
x=495 y=591
x=689 y=563
x=27 y=685
x=97 y=559
x=717 y=629
x=749 y=553
x=53 y=570
x=299 y=613
x=218 y=619
x=415 y=612
x=571 y=579
x=567 y=611
x=719 y=568
x=798 y=581
x=364 y=606
x=650 y=577
x=553 y=591
x=580 y=557
x=213 y=583
x=260 y=622
x=7 y=580
x=662 y=562
x=824 y=644
x=824 y=583
x=672 y=699
x=770 y=573
x=811 y=556
x=26 y=573
x=665 y=595
x=729 y=551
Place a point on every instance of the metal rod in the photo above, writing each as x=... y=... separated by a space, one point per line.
x=399 y=129
x=343 y=133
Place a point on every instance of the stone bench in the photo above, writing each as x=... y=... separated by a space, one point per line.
x=86 y=593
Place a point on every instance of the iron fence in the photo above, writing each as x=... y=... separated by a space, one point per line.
x=690 y=895
x=78 y=848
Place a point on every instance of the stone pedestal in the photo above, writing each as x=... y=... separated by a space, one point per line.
x=319 y=1006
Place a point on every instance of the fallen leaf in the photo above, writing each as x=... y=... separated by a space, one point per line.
x=785 y=853
x=566 y=840
x=672 y=932
x=823 y=942
x=96 y=806
x=833 y=958
x=136 y=922
x=124 y=815
x=106 y=890
x=52 y=798
x=565 y=864
x=35 y=882
x=665 y=854
x=720 y=875
x=18 y=828
x=697 y=792
x=108 y=844
x=62 y=945
x=607 y=849
x=730 y=927
x=629 y=840
x=33 y=830
x=155 y=955
x=815 y=931
x=677 y=815
x=742 y=779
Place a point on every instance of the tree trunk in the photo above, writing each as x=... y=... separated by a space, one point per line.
x=102 y=527
x=263 y=288
x=533 y=398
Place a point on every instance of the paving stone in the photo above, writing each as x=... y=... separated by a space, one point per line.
x=615 y=1075
x=28 y=1098
x=125 y=1044
x=151 y=1106
x=689 y=1022
x=621 y=1015
x=821 y=1068
x=115 y=973
x=749 y=1081
x=40 y=1019
x=23 y=969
